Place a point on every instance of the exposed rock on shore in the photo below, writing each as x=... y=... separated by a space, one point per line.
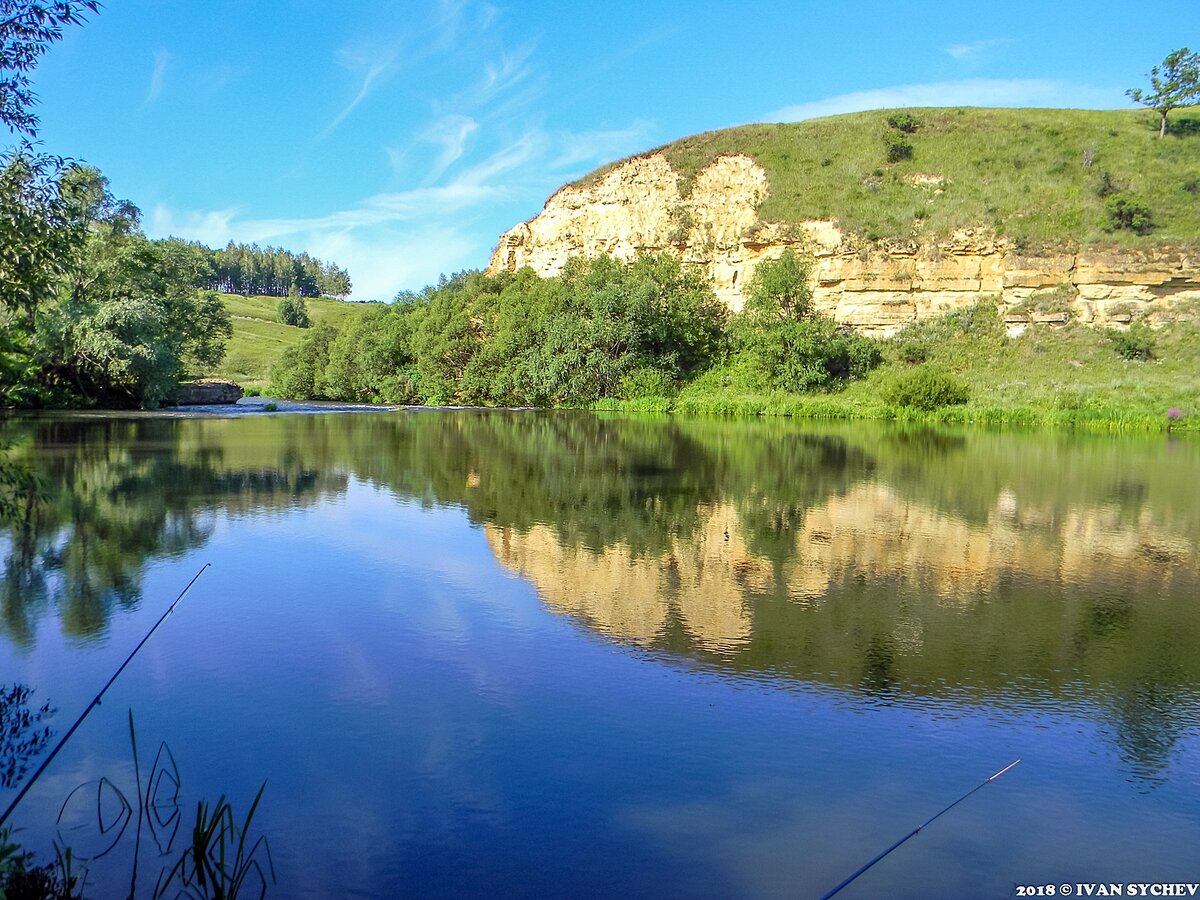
x=207 y=392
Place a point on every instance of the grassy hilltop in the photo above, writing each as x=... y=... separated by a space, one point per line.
x=1038 y=176
x=259 y=338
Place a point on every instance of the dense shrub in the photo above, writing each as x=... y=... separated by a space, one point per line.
x=647 y=382
x=926 y=388
x=1135 y=343
x=906 y=122
x=952 y=339
x=299 y=372
x=912 y=349
x=292 y=309
x=1126 y=212
x=896 y=147
x=1105 y=185
x=978 y=319
x=601 y=329
x=780 y=338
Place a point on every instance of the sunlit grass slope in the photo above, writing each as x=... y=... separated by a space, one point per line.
x=1069 y=376
x=259 y=338
x=1037 y=176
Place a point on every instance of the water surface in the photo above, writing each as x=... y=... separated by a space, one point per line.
x=526 y=653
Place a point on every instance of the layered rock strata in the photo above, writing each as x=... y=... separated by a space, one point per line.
x=638 y=206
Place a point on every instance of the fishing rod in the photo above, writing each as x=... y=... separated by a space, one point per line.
x=96 y=701
x=917 y=830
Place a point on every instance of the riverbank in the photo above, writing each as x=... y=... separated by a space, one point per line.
x=836 y=406
x=1066 y=377
x=247 y=406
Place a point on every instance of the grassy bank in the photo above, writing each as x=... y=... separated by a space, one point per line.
x=1058 y=377
x=1040 y=177
x=1096 y=418
x=259 y=338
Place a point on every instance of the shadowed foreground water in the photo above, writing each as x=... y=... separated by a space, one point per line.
x=479 y=653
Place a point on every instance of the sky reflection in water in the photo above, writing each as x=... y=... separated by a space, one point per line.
x=574 y=655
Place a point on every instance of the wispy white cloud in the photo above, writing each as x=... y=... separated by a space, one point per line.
x=213 y=227
x=398 y=158
x=450 y=133
x=967 y=92
x=372 y=63
x=404 y=239
x=448 y=18
x=500 y=78
x=454 y=17
x=973 y=50
x=386 y=242
x=161 y=59
x=524 y=149
x=486 y=15
x=219 y=76
x=503 y=75
x=591 y=148
x=374 y=60
x=482 y=160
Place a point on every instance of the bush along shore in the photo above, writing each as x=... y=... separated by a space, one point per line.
x=649 y=336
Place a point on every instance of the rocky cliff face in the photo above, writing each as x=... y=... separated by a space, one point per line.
x=638 y=206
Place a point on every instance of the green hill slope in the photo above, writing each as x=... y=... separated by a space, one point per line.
x=259 y=338
x=1040 y=177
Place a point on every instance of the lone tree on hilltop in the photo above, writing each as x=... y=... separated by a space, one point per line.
x=1176 y=83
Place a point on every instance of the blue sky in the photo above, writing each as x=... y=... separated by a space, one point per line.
x=400 y=139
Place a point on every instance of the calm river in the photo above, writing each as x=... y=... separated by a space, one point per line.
x=557 y=654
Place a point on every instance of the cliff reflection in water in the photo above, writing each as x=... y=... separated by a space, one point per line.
x=1021 y=572
x=1010 y=570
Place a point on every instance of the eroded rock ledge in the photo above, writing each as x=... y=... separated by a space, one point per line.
x=637 y=206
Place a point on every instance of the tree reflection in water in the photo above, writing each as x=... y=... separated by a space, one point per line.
x=888 y=563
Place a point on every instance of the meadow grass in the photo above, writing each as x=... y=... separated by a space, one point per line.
x=259 y=338
x=1036 y=176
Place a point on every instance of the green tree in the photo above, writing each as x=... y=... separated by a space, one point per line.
x=602 y=329
x=365 y=358
x=36 y=233
x=293 y=310
x=332 y=281
x=784 y=343
x=126 y=321
x=300 y=372
x=39 y=238
x=1175 y=83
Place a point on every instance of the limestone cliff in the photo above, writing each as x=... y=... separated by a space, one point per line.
x=638 y=206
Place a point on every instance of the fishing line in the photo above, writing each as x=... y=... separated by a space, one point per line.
x=96 y=701
x=917 y=830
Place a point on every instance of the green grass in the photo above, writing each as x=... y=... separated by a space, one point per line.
x=1021 y=172
x=259 y=339
x=1070 y=376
